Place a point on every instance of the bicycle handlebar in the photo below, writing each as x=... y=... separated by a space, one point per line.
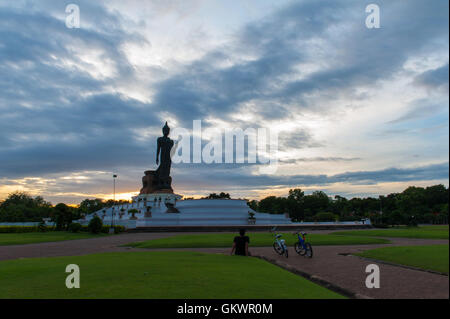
x=296 y=233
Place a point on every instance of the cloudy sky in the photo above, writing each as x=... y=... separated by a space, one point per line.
x=358 y=111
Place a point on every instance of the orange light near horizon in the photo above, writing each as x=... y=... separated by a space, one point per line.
x=119 y=196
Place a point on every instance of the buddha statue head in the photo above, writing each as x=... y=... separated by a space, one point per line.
x=166 y=130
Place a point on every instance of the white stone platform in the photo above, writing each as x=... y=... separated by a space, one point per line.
x=196 y=212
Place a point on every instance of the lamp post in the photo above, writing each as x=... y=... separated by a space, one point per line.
x=111 y=230
x=381 y=209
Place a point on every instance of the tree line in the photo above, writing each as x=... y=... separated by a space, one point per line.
x=413 y=205
x=21 y=207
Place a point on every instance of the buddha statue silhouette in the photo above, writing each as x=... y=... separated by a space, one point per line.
x=163 y=148
x=159 y=180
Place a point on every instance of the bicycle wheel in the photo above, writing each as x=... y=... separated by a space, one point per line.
x=309 y=250
x=299 y=249
x=277 y=248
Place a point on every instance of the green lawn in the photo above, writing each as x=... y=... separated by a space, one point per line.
x=155 y=275
x=425 y=232
x=256 y=240
x=433 y=257
x=32 y=238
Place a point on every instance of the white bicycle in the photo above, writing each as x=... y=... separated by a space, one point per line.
x=279 y=244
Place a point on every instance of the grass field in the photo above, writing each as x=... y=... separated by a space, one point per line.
x=256 y=240
x=424 y=232
x=433 y=257
x=32 y=238
x=155 y=275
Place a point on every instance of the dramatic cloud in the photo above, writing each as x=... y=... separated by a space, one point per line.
x=351 y=105
x=435 y=78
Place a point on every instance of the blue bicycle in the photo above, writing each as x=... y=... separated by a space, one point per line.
x=302 y=247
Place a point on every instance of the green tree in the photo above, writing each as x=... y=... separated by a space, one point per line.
x=222 y=195
x=63 y=216
x=272 y=205
x=317 y=202
x=95 y=225
x=253 y=204
x=339 y=206
x=89 y=206
x=294 y=204
x=21 y=207
x=412 y=202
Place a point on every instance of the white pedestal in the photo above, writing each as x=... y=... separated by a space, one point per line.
x=161 y=198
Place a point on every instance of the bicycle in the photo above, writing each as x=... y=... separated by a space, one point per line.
x=279 y=245
x=302 y=247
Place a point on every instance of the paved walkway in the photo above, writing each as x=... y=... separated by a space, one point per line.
x=87 y=246
x=76 y=247
x=328 y=263
x=348 y=272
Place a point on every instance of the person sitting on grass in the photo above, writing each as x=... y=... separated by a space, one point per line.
x=240 y=244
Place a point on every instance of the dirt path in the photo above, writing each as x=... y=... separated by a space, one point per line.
x=328 y=263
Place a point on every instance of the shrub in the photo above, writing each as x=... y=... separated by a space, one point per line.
x=412 y=222
x=380 y=225
x=349 y=218
x=95 y=225
x=75 y=227
x=42 y=227
x=133 y=211
x=105 y=229
x=397 y=218
x=22 y=229
x=18 y=229
x=325 y=217
x=117 y=229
